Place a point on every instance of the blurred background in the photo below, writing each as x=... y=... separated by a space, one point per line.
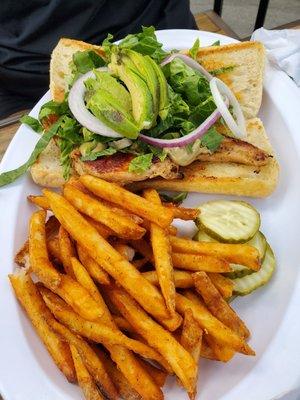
x=240 y=14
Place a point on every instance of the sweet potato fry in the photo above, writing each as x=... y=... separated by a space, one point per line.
x=95 y=331
x=182 y=279
x=85 y=381
x=162 y=256
x=39 y=201
x=67 y=250
x=196 y=262
x=223 y=335
x=179 y=359
x=110 y=260
x=186 y=214
x=126 y=251
x=233 y=253
x=191 y=335
x=38 y=254
x=130 y=201
x=78 y=297
x=223 y=284
x=122 y=225
x=94 y=365
x=32 y=302
x=218 y=306
x=93 y=268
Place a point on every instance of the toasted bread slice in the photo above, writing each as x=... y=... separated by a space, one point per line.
x=245 y=79
x=226 y=178
x=60 y=69
x=47 y=171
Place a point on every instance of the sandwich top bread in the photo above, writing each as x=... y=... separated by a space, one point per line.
x=163 y=103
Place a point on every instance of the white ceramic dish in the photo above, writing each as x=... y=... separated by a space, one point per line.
x=272 y=313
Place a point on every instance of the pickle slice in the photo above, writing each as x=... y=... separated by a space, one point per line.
x=247 y=284
x=228 y=221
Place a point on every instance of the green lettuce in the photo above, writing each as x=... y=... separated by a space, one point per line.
x=33 y=123
x=141 y=163
x=11 y=176
x=91 y=156
x=212 y=139
x=54 y=108
x=144 y=42
x=194 y=49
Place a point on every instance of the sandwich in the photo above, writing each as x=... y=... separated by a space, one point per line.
x=137 y=115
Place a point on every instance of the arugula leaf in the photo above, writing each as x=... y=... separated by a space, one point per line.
x=176 y=198
x=94 y=155
x=11 y=176
x=194 y=49
x=54 y=107
x=219 y=71
x=212 y=139
x=216 y=43
x=141 y=163
x=33 y=123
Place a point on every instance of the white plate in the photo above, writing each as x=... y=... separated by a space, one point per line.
x=272 y=313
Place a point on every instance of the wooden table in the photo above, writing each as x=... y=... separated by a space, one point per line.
x=207 y=21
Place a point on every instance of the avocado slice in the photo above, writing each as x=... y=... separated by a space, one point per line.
x=104 y=80
x=111 y=112
x=164 y=101
x=142 y=102
x=147 y=72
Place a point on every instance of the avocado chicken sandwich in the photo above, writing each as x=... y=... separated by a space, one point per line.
x=137 y=115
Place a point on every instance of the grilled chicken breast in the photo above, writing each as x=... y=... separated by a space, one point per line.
x=237 y=151
x=114 y=168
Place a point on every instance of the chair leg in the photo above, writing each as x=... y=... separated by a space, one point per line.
x=218 y=5
x=261 y=13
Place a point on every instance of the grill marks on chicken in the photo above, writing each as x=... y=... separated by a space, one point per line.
x=237 y=151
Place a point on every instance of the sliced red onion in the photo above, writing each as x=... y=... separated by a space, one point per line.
x=82 y=114
x=218 y=88
x=188 y=61
x=187 y=139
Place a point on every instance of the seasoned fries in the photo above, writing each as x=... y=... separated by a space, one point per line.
x=39 y=201
x=92 y=267
x=191 y=335
x=102 y=320
x=179 y=359
x=145 y=293
x=38 y=254
x=95 y=331
x=218 y=306
x=85 y=381
x=130 y=201
x=212 y=325
x=162 y=256
x=233 y=253
x=36 y=309
x=194 y=262
x=122 y=226
x=182 y=279
x=67 y=250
